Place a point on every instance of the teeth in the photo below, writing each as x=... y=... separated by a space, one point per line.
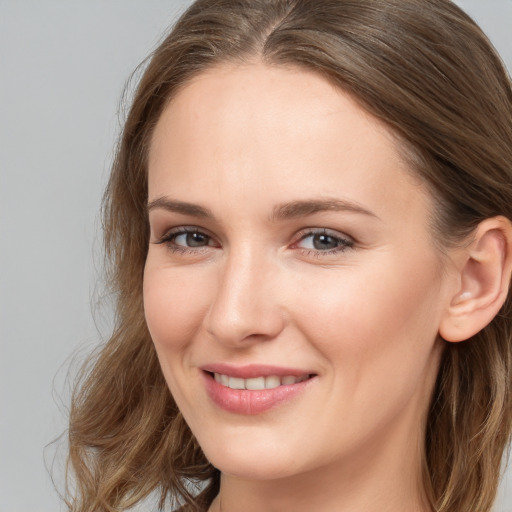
x=236 y=383
x=255 y=384
x=258 y=383
x=272 y=382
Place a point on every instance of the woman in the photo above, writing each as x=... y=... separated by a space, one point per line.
x=308 y=224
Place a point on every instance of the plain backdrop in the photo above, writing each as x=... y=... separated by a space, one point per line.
x=63 y=65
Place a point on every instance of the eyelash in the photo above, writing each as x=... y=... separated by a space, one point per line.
x=344 y=243
x=169 y=238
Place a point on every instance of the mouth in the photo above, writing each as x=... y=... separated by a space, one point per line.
x=258 y=383
x=254 y=389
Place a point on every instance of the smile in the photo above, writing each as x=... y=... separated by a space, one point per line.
x=254 y=389
x=258 y=383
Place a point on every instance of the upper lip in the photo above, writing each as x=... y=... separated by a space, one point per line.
x=253 y=370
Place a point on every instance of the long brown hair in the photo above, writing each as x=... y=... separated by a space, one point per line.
x=421 y=66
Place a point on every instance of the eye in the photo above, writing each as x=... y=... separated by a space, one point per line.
x=324 y=241
x=187 y=239
x=191 y=239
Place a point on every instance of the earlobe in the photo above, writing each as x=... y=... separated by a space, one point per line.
x=484 y=280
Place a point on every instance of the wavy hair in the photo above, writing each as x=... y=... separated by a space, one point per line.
x=425 y=69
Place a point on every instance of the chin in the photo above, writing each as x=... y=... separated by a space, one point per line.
x=266 y=468
x=252 y=460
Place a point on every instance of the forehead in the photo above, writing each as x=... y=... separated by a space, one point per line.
x=268 y=131
x=290 y=102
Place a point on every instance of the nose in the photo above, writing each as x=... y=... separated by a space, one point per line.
x=246 y=307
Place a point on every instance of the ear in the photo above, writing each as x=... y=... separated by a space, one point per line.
x=484 y=272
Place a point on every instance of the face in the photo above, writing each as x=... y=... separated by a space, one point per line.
x=290 y=256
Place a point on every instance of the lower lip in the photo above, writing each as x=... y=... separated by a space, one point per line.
x=249 y=402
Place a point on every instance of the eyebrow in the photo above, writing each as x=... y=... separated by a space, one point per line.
x=290 y=210
x=171 y=205
x=303 y=208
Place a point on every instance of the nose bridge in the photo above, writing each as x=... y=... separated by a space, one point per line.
x=245 y=305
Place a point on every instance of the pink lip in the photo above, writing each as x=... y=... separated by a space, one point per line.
x=242 y=401
x=253 y=370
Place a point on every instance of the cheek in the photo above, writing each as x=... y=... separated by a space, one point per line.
x=376 y=334
x=373 y=323
x=174 y=306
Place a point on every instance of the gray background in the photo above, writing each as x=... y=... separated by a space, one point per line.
x=63 y=66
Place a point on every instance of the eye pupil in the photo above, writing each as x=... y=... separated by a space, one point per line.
x=197 y=239
x=323 y=242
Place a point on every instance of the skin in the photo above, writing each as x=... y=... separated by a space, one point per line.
x=240 y=142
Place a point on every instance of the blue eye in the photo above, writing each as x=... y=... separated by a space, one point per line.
x=187 y=239
x=323 y=241
x=191 y=239
x=320 y=242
